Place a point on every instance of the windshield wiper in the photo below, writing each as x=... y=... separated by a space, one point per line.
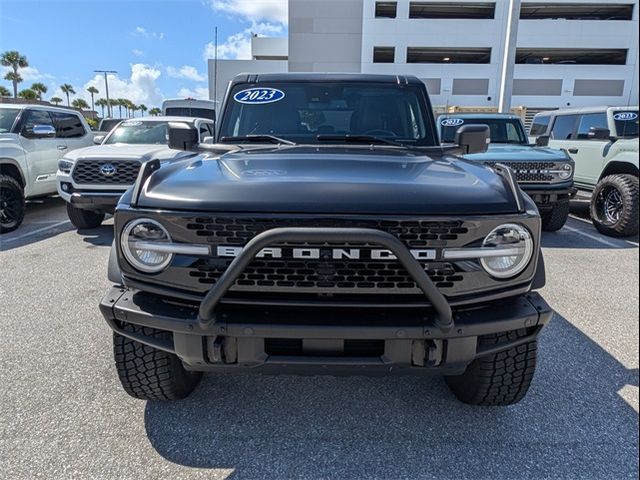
x=358 y=139
x=257 y=139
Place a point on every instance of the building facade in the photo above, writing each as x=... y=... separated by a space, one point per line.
x=569 y=53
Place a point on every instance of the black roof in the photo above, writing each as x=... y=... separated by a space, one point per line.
x=325 y=77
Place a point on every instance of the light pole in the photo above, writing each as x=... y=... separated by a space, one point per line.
x=509 y=57
x=106 y=88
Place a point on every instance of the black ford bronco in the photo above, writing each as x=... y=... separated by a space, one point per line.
x=327 y=231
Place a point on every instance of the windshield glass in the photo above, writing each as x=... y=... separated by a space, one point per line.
x=138 y=132
x=502 y=130
x=626 y=123
x=7 y=118
x=301 y=111
x=191 y=112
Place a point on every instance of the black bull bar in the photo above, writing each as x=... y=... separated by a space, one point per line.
x=443 y=317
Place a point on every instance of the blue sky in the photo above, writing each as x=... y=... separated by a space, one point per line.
x=159 y=48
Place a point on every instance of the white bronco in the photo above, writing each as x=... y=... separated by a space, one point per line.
x=603 y=142
x=32 y=140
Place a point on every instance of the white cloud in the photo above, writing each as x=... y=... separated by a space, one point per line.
x=28 y=74
x=238 y=45
x=254 y=10
x=143 y=32
x=186 y=71
x=140 y=87
x=137 y=53
x=201 y=93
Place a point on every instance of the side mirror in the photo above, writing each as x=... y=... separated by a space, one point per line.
x=43 y=131
x=182 y=136
x=208 y=140
x=597 y=133
x=98 y=139
x=542 y=141
x=473 y=138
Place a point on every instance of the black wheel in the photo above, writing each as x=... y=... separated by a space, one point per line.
x=12 y=204
x=84 y=218
x=555 y=219
x=148 y=373
x=614 y=205
x=500 y=379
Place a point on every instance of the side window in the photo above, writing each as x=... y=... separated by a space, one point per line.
x=68 y=125
x=34 y=117
x=539 y=125
x=205 y=130
x=587 y=121
x=563 y=127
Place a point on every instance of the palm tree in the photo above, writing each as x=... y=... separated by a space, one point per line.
x=14 y=60
x=155 y=111
x=114 y=103
x=39 y=88
x=143 y=108
x=80 y=104
x=28 y=94
x=101 y=102
x=134 y=108
x=67 y=90
x=121 y=102
x=55 y=100
x=4 y=91
x=93 y=91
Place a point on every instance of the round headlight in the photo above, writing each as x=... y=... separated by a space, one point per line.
x=516 y=243
x=566 y=171
x=138 y=241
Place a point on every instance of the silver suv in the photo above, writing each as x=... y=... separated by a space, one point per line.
x=603 y=142
x=32 y=140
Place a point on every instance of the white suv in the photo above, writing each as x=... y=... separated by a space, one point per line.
x=32 y=139
x=603 y=142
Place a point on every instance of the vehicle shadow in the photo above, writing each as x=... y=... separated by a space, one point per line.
x=101 y=236
x=573 y=424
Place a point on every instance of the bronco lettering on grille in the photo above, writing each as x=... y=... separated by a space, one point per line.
x=306 y=253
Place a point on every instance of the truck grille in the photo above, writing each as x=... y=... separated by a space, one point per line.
x=323 y=275
x=91 y=172
x=239 y=230
x=530 y=172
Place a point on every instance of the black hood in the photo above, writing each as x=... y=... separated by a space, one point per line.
x=345 y=180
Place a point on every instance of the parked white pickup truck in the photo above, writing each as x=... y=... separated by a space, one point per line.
x=603 y=142
x=32 y=140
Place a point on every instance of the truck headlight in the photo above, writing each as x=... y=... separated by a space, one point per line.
x=514 y=249
x=141 y=243
x=565 y=171
x=65 y=165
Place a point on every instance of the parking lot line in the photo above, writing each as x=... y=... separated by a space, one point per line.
x=34 y=232
x=595 y=238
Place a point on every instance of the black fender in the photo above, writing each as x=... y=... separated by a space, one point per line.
x=114 y=274
x=540 y=278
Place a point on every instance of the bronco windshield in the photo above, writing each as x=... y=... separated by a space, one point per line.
x=7 y=118
x=311 y=112
x=626 y=123
x=140 y=133
x=502 y=130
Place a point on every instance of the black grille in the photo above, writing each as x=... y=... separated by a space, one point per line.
x=530 y=172
x=238 y=231
x=90 y=172
x=331 y=276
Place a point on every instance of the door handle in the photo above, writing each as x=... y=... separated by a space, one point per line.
x=573 y=150
x=62 y=147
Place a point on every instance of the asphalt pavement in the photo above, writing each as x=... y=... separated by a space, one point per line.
x=64 y=415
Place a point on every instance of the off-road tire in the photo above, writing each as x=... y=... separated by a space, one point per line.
x=627 y=224
x=10 y=187
x=499 y=379
x=84 y=218
x=555 y=219
x=148 y=373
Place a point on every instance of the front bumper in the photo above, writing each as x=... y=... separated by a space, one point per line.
x=88 y=198
x=546 y=197
x=320 y=340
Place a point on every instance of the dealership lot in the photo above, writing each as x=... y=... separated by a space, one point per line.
x=64 y=414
